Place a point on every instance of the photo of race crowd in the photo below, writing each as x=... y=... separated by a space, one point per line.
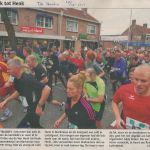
x=30 y=76
x=57 y=70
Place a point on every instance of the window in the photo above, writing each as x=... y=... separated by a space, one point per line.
x=91 y=29
x=72 y=25
x=44 y=21
x=12 y=15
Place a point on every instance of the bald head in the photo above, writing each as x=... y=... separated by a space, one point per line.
x=141 y=80
x=143 y=69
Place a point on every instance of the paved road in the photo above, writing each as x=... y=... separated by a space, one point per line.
x=52 y=112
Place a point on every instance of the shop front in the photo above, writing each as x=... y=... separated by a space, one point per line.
x=31 y=40
x=68 y=44
x=91 y=44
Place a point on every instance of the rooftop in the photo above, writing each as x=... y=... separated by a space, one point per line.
x=72 y=12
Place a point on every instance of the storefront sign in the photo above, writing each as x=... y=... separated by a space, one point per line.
x=31 y=29
x=140 y=44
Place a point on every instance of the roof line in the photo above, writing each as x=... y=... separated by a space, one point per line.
x=58 y=13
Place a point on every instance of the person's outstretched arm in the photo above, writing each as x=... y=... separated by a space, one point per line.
x=13 y=96
x=119 y=121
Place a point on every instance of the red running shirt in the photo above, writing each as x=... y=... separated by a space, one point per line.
x=134 y=106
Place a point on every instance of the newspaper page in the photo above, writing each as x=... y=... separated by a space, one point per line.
x=71 y=26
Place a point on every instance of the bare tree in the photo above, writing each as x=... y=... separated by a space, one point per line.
x=9 y=28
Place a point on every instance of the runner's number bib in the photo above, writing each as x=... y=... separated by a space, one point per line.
x=135 y=124
x=72 y=126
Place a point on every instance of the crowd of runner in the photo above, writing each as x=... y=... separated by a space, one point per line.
x=29 y=76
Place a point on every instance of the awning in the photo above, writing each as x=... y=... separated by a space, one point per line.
x=34 y=36
x=69 y=40
x=114 y=38
x=88 y=40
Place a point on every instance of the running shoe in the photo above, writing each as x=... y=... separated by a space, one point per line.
x=6 y=114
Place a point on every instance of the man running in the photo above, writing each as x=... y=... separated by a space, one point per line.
x=136 y=101
x=35 y=92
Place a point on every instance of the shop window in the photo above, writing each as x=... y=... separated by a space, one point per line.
x=91 y=29
x=13 y=17
x=44 y=21
x=72 y=25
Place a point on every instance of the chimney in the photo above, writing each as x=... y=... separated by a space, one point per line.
x=84 y=10
x=133 y=22
x=145 y=25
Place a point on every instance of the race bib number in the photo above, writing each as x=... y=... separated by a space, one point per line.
x=72 y=126
x=135 y=124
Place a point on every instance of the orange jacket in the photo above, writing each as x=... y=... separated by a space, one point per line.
x=3 y=73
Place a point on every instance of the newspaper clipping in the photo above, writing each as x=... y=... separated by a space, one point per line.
x=74 y=74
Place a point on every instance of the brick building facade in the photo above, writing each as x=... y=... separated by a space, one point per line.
x=64 y=27
x=138 y=35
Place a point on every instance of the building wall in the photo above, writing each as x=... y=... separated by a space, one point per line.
x=137 y=33
x=2 y=27
x=110 y=44
x=67 y=33
x=82 y=29
x=27 y=17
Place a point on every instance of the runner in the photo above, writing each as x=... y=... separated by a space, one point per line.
x=118 y=72
x=35 y=93
x=67 y=68
x=94 y=88
x=136 y=101
x=78 y=111
x=5 y=89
